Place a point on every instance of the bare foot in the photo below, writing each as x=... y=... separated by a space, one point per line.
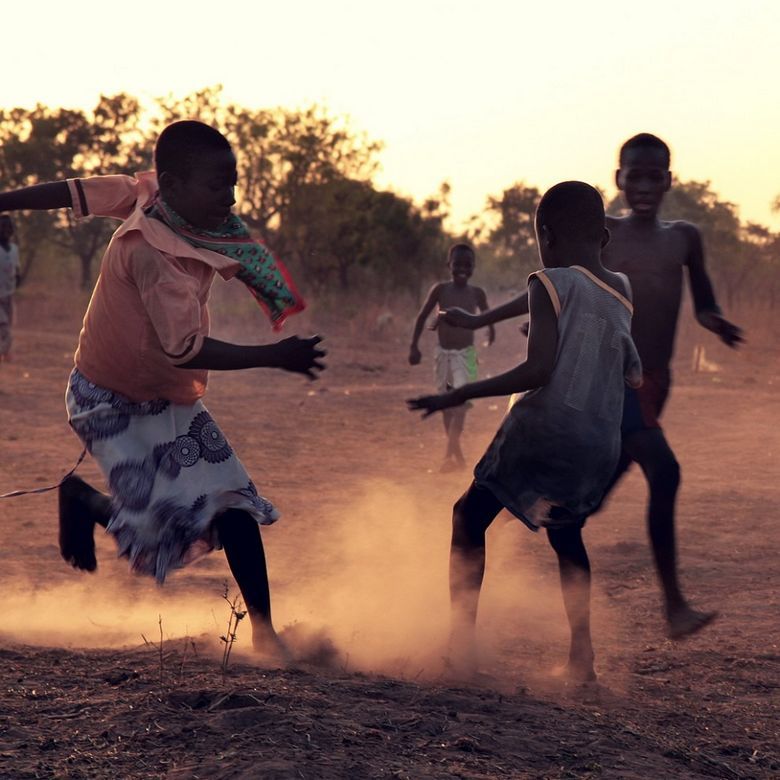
x=267 y=643
x=685 y=621
x=462 y=658
x=77 y=526
x=576 y=671
x=452 y=464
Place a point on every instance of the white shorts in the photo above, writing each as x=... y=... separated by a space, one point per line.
x=454 y=367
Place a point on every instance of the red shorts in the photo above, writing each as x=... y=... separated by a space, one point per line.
x=643 y=405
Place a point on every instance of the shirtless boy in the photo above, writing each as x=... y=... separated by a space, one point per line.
x=652 y=253
x=455 y=360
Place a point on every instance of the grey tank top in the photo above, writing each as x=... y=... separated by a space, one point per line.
x=559 y=444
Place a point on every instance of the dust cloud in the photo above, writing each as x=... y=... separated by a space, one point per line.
x=367 y=592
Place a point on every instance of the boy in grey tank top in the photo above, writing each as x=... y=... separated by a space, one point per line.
x=556 y=450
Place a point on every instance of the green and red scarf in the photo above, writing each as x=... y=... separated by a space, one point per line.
x=265 y=276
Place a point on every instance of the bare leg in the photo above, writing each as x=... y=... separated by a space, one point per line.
x=574 y=568
x=240 y=537
x=651 y=451
x=80 y=508
x=472 y=515
x=456 y=430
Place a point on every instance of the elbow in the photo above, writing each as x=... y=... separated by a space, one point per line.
x=538 y=376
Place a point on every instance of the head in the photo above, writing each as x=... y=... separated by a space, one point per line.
x=643 y=175
x=461 y=261
x=6 y=228
x=570 y=222
x=196 y=171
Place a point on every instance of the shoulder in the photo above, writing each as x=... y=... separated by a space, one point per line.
x=138 y=253
x=687 y=230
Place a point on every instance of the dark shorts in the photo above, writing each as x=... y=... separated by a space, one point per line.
x=643 y=405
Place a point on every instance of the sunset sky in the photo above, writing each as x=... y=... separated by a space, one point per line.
x=482 y=94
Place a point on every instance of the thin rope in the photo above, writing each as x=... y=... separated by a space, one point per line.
x=33 y=491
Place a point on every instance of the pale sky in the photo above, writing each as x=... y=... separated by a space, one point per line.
x=482 y=94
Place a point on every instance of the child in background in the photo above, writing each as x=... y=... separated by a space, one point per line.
x=134 y=397
x=558 y=446
x=10 y=276
x=455 y=359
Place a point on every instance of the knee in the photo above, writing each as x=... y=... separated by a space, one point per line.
x=467 y=531
x=234 y=524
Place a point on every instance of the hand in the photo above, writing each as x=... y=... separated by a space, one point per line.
x=415 y=356
x=301 y=356
x=434 y=403
x=729 y=334
x=458 y=318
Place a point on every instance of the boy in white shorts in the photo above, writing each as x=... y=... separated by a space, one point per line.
x=455 y=360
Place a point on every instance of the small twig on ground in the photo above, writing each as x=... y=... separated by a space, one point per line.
x=188 y=641
x=159 y=648
x=236 y=616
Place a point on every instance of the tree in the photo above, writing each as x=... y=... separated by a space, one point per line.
x=342 y=227
x=509 y=235
x=43 y=144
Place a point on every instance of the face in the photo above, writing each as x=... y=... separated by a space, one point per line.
x=461 y=265
x=205 y=196
x=644 y=178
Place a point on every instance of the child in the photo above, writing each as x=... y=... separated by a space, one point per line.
x=652 y=253
x=559 y=444
x=10 y=276
x=455 y=360
x=177 y=488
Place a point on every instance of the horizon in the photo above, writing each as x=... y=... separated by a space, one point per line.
x=461 y=114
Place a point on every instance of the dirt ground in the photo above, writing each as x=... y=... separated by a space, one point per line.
x=358 y=568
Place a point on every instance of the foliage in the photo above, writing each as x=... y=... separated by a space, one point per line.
x=44 y=144
x=505 y=235
x=305 y=188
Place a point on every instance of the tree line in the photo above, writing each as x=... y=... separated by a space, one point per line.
x=306 y=189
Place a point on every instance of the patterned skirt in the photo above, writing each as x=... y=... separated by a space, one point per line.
x=170 y=471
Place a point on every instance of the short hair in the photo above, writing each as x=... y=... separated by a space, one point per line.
x=460 y=247
x=573 y=209
x=645 y=141
x=181 y=142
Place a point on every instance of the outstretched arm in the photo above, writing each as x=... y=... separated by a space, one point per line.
x=482 y=304
x=708 y=313
x=534 y=372
x=431 y=300
x=52 y=195
x=294 y=354
x=460 y=318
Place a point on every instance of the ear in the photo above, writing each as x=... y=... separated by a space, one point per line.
x=668 y=181
x=605 y=238
x=617 y=180
x=547 y=236
x=167 y=182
